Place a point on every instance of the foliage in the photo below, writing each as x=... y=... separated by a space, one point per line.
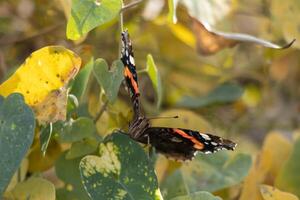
x=64 y=112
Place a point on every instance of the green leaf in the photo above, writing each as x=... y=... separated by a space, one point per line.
x=172 y=10
x=68 y=171
x=82 y=148
x=225 y=93
x=45 y=137
x=81 y=80
x=122 y=171
x=17 y=125
x=110 y=80
x=198 y=196
x=207 y=172
x=88 y=14
x=288 y=178
x=34 y=189
x=154 y=77
x=75 y=130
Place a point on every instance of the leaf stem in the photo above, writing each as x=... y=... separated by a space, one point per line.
x=130 y=5
x=99 y=114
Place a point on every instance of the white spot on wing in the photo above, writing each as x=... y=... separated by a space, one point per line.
x=131 y=60
x=213 y=143
x=206 y=137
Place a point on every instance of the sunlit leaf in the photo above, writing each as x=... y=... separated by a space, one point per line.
x=81 y=80
x=154 y=77
x=268 y=163
x=271 y=193
x=34 y=189
x=121 y=170
x=285 y=17
x=225 y=93
x=172 y=10
x=42 y=79
x=198 y=196
x=210 y=41
x=16 y=135
x=110 y=80
x=208 y=173
x=88 y=14
x=209 y=11
x=287 y=179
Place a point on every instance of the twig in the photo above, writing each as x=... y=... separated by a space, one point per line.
x=130 y=5
x=99 y=114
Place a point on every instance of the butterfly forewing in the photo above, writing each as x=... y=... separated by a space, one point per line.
x=130 y=73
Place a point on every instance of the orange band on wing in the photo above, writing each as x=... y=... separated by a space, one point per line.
x=198 y=145
x=128 y=74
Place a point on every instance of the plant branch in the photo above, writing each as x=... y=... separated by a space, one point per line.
x=130 y=5
x=99 y=114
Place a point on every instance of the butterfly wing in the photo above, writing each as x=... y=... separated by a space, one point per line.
x=183 y=144
x=130 y=73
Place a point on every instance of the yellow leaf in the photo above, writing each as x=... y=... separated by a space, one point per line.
x=34 y=189
x=38 y=162
x=184 y=34
x=271 y=193
x=267 y=164
x=42 y=77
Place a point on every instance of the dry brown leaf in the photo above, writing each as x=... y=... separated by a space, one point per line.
x=209 y=41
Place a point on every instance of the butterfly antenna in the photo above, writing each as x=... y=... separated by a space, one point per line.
x=164 y=117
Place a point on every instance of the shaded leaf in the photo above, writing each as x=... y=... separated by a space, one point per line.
x=198 y=196
x=207 y=172
x=16 y=135
x=45 y=137
x=42 y=80
x=81 y=148
x=110 y=80
x=209 y=41
x=154 y=77
x=88 y=14
x=287 y=179
x=271 y=193
x=122 y=171
x=67 y=170
x=75 y=130
x=225 y=93
x=34 y=189
x=81 y=80
x=39 y=162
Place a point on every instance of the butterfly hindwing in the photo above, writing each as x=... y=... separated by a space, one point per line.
x=183 y=144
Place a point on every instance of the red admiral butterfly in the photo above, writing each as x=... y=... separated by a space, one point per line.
x=180 y=144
